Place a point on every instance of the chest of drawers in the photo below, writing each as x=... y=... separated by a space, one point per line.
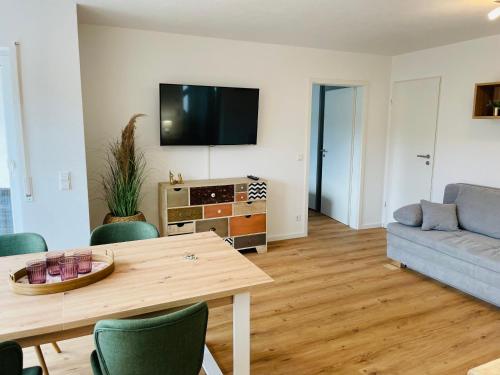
x=234 y=208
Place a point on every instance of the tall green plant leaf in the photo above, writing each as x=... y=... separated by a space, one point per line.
x=125 y=173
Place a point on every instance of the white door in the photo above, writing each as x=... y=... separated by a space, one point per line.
x=337 y=153
x=412 y=137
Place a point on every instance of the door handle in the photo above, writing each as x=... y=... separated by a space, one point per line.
x=424 y=156
x=323 y=152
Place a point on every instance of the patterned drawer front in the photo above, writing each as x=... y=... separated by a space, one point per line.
x=217 y=210
x=257 y=190
x=248 y=208
x=241 y=197
x=177 y=197
x=249 y=241
x=212 y=194
x=240 y=188
x=218 y=226
x=240 y=225
x=180 y=228
x=184 y=214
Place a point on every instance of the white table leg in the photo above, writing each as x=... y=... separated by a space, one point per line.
x=241 y=334
x=209 y=364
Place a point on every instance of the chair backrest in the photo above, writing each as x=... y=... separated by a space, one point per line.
x=11 y=358
x=171 y=344
x=123 y=232
x=21 y=243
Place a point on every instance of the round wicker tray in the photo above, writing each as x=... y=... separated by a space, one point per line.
x=63 y=286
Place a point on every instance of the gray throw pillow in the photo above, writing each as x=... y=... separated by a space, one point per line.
x=410 y=215
x=478 y=210
x=438 y=216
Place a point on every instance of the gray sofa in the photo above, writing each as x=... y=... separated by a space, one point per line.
x=468 y=259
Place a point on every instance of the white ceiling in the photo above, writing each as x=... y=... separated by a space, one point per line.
x=387 y=27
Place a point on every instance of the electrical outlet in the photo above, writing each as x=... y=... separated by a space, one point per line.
x=298 y=218
x=64 y=181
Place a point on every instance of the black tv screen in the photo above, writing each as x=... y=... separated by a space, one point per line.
x=208 y=115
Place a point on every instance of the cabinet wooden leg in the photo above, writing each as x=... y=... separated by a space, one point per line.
x=41 y=360
x=395 y=263
x=56 y=347
x=261 y=249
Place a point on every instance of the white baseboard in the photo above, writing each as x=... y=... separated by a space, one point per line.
x=371 y=226
x=280 y=237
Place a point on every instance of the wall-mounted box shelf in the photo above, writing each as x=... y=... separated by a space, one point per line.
x=485 y=93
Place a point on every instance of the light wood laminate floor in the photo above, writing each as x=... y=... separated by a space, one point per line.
x=338 y=307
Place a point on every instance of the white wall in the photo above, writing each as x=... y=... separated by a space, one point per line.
x=313 y=146
x=121 y=70
x=467 y=150
x=47 y=31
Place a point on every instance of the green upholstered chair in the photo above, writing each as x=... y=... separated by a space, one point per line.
x=171 y=344
x=11 y=360
x=25 y=243
x=21 y=243
x=123 y=232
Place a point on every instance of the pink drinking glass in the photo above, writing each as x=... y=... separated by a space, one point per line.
x=68 y=267
x=37 y=271
x=53 y=259
x=84 y=261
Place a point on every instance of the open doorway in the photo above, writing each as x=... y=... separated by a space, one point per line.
x=335 y=157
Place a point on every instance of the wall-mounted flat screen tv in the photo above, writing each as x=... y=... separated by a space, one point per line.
x=208 y=115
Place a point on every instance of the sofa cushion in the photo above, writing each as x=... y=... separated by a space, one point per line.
x=467 y=246
x=479 y=209
x=409 y=215
x=466 y=276
x=438 y=216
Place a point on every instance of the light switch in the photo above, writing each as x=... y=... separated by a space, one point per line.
x=300 y=157
x=64 y=181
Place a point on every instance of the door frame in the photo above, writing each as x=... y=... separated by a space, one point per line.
x=321 y=131
x=365 y=85
x=386 y=219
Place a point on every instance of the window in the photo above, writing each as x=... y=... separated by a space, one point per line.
x=13 y=165
x=6 y=221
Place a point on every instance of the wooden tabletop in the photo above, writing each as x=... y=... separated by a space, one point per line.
x=490 y=368
x=213 y=182
x=150 y=276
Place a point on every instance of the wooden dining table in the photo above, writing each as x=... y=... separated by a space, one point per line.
x=151 y=277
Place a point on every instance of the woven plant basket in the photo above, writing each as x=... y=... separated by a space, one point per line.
x=109 y=218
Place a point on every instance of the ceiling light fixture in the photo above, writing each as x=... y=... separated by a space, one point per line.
x=495 y=13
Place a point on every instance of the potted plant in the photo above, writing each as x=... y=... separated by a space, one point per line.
x=495 y=104
x=124 y=177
